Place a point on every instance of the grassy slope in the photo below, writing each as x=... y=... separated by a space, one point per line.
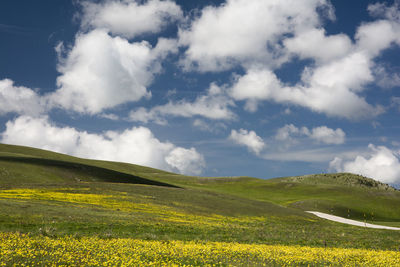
x=333 y=196
x=278 y=202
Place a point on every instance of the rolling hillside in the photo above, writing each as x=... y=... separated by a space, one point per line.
x=47 y=193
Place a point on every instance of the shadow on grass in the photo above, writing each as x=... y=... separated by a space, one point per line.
x=100 y=174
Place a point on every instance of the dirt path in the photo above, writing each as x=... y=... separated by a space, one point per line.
x=352 y=222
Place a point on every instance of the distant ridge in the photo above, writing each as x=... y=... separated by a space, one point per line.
x=348 y=179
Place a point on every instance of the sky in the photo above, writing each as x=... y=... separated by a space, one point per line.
x=261 y=88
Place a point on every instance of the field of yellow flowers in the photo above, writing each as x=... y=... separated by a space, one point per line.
x=24 y=250
x=78 y=249
x=122 y=203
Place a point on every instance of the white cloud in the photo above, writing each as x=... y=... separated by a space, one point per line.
x=214 y=105
x=101 y=72
x=135 y=145
x=376 y=36
x=314 y=44
x=334 y=83
x=321 y=134
x=331 y=88
x=286 y=132
x=243 y=32
x=19 y=99
x=187 y=161
x=255 y=85
x=217 y=40
x=327 y=135
x=381 y=164
x=249 y=139
x=128 y=18
x=340 y=74
x=383 y=10
x=386 y=79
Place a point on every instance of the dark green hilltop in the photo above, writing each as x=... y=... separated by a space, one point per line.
x=244 y=209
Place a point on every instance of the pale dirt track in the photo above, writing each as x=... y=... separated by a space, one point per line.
x=352 y=222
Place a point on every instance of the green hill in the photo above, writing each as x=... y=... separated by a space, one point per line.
x=47 y=193
x=342 y=194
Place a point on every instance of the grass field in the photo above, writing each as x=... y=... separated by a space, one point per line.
x=50 y=200
x=93 y=251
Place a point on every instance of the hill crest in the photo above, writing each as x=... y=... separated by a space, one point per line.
x=348 y=179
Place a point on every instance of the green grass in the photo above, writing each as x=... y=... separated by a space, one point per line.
x=335 y=198
x=242 y=209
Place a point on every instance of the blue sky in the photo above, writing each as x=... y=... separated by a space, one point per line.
x=213 y=88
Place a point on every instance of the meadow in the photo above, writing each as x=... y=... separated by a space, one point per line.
x=57 y=209
x=25 y=250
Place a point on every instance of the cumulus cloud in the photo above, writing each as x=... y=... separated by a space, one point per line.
x=386 y=78
x=19 y=99
x=214 y=105
x=187 y=161
x=287 y=132
x=314 y=44
x=101 y=72
x=249 y=139
x=376 y=36
x=327 y=135
x=291 y=143
x=254 y=86
x=366 y=36
x=331 y=88
x=383 y=10
x=244 y=32
x=135 y=145
x=129 y=18
x=342 y=69
x=321 y=134
x=381 y=164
